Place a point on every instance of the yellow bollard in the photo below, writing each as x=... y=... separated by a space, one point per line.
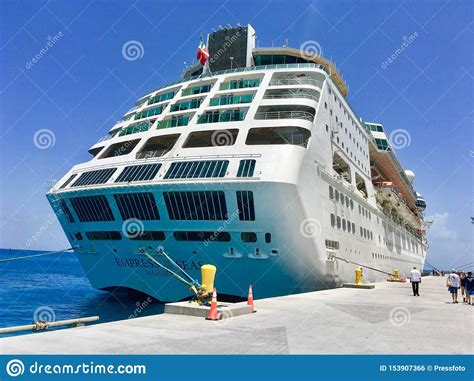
x=208 y=273
x=395 y=275
x=358 y=275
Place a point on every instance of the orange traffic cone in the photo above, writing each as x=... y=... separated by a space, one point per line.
x=250 y=299
x=213 y=314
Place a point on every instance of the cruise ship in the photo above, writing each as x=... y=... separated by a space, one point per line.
x=254 y=162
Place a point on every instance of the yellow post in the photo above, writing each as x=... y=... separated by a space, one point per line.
x=208 y=273
x=358 y=275
x=395 y=274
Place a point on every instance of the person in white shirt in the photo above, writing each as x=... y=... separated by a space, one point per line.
x=415 y=279
x=453 y=282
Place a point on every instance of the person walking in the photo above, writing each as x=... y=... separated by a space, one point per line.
x=415 y=279
x=453 y=283
x=469 y=287
x=462 y=278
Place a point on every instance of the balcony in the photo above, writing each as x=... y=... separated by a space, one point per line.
x=161 y=97
x=240 y=84
x=196 y=90
x=149 y=112
x=227 y=116
x=140 y=127
x=271 y=115
x=295 y=82
x=195 y=103
x=174 y=122
x=292 y=94
x=231 y=100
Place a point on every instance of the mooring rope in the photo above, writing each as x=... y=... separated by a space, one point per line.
x=34 y=255
x=361 y=265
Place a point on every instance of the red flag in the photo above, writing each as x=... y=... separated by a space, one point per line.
x=202 y=53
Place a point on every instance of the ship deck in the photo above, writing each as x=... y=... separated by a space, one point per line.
x=387 y=319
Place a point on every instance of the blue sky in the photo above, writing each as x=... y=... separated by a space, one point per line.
x=82 y=84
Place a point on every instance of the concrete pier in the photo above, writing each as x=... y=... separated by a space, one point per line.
x=387 y=319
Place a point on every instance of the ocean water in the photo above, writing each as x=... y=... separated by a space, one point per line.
x=54 y=287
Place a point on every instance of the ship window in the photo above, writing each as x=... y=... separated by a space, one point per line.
x=333 y=220
x=201 y=236
x=248 y=237
x=331 y=192
x=104 y=236
x=344 y=224
x=353 y=228
x=334 y=245
x=246 y=168
x=245 y=205
x=342 y=199
x=278 y=135
x=196 y=206
x=141 y=206
x=92 y=208
x=197 y=169
x=68 y=181
x=361 y=231
x=138 y=173
x=65 y=209
x=268 y=237
x=94 y=177
x=95 y=151
x=147 y=235
x=78 y=236
x=119 y=149
x=336 y=193
x=338 y=222
x=158 y=146
x=352 y=205
x=214 y=138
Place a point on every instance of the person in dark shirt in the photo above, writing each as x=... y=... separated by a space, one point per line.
x=469 y=287
x=462 y=276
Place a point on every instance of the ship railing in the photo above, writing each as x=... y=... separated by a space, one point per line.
x=295 y=81
x=291 y=95
x=151 y=154
x=269 y=115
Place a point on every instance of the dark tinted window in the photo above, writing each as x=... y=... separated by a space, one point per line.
x=94 y=177
x=214 y=138
x=119 y=149
x=197 y=169
x=278 y=135
x=201 y=236
x=245 y=205
x=204 y=205
x=92 y=208
x=246 y=168
x=149 y=235
x=138 y=173
x=248 y=237
x=141 y=206
x=103 y=236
